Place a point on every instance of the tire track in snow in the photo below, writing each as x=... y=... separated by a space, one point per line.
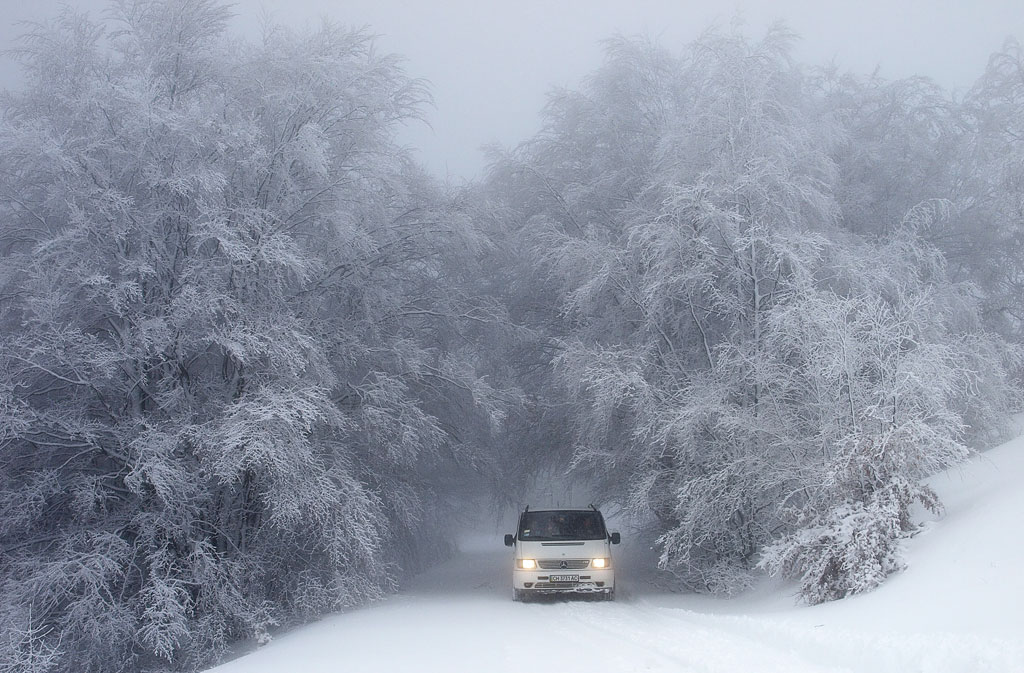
x=682 y=644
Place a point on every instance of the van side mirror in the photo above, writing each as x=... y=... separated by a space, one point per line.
x=614 y=537
x=509 y=540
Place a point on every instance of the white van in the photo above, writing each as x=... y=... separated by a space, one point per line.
x=562 y=551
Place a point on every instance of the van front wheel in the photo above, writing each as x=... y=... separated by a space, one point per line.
x=518 y=595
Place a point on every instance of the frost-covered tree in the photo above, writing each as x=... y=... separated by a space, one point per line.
x=908 y=142
x=883 y=377
x=994 y=109
x=238 y=356
x=728 y=348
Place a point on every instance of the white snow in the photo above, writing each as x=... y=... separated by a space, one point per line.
x=958 y=608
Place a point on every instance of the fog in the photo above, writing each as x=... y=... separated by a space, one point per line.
x=490 y=64
x=271 y=346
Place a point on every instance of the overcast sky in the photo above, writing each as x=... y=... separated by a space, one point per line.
x=490 y=63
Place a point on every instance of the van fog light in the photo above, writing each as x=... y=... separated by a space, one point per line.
x=526 y=563
x=599 y=563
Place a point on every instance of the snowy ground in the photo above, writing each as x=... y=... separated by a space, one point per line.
x=959 y=607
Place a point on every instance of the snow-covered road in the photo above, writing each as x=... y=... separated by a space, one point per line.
x=957 y=609
x=460 y=617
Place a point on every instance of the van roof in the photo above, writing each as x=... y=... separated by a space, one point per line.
x=588 y=508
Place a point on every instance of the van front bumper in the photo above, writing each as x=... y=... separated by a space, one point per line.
x=540 y=581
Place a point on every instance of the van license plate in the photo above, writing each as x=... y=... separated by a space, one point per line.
x=565 y=578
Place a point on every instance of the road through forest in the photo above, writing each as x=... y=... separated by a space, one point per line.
x=460 y=617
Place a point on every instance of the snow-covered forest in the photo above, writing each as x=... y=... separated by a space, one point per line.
x=255 y=360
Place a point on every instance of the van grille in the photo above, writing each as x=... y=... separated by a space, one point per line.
x=570 y=564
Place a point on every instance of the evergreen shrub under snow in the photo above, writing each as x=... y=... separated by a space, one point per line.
x=852 y=547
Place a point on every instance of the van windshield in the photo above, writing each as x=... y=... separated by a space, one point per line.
x=562 y=525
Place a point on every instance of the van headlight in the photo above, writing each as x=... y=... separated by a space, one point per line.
x=526 y=563
x=600 y=563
